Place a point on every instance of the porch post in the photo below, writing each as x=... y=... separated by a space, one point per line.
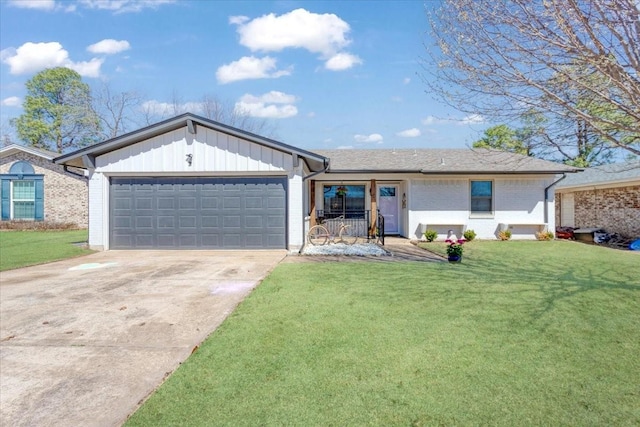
x=374 y=208
x=312 y=203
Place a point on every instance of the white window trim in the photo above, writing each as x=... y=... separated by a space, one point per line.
x=486 y=215
x=13 y=199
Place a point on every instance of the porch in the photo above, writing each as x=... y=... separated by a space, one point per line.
x=360 y=222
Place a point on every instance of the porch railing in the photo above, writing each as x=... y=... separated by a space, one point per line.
x=358 y=220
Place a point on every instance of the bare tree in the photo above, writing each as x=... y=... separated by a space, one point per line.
x=118 y=112
x=210 y=107
x=575 y=62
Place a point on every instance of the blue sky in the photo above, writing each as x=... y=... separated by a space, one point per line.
x=326 y=74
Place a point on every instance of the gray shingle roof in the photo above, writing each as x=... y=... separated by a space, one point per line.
x=12 y=148
x=434 y=161
x=616 y=172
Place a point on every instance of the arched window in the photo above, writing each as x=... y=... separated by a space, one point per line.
x=22 y=193
x=22 y=168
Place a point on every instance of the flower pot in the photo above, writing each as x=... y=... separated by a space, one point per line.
x=455 y=258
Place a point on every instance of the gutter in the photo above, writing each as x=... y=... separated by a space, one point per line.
x=546 y=197
x=66 y=169
x=304 y=178
x=326 y=167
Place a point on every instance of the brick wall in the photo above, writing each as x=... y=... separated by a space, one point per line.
x=65 y=195
x=617 y=210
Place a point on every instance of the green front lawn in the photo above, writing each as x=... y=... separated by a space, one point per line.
x=520 y=333
x=23 y=248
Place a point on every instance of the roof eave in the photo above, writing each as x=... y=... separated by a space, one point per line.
x=446 y=172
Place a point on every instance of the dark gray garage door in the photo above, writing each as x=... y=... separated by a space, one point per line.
x=198 y=213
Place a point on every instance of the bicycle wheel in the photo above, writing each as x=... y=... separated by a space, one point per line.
x=348 y=235
x=318 y=235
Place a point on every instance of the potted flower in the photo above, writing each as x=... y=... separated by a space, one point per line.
x=454 y=250
x=341 y=191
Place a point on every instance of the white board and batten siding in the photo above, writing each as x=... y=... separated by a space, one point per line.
x=213 y=154
x=444 y=203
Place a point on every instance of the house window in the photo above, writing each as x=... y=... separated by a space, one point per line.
x=481 y=197
x=21 y=193
x=23 y=199
x=344 y=199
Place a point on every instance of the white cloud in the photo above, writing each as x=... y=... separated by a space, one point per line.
x=374 y=138
x=410 y=133
x=345 y=147
x=249 y=67
x=238 y=20
x=472 y=119
x=299 y=28
x=109 y=46
x=342 y=61
x=34 y=57
x=406 y=80
x=124 y=6
x=12 y=101
x=162 y=109
x=324 y=34
x=273 y=105
x=34 y=4
x=87 y=68
x=431 y=120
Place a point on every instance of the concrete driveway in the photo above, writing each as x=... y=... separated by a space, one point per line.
x=84 y=341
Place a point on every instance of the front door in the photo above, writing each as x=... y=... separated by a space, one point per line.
x=388 y=204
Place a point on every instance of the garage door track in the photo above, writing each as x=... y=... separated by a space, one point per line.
x=83 y=341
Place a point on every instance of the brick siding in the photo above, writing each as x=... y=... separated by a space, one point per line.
x=617 y=210
x=65 y=195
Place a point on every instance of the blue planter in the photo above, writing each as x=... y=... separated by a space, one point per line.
x=455 y=258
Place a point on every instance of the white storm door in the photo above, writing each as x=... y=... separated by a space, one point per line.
x=389 y=206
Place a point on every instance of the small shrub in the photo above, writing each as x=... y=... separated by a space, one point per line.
x=37 y=225
x=430 y=235
x=504 y=235
x=544 y=235
x=469 y=235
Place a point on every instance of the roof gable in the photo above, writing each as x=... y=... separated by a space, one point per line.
x=314 y=161
x=15 y=148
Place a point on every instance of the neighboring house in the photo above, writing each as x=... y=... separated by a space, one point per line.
x=605 y=196
x=34 y=188
x=189 y=182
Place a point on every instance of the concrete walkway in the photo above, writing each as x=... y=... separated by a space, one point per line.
x=84 y=341
x=399 y=248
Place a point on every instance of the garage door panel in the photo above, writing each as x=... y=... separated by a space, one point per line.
x=208 y=202
x=202 y=212
x=165 y=203
x=254 y=222
x=143 y=223
x=210 y=221
x=165 y=241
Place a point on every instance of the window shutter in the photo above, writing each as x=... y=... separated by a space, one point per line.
x=6 y=199
x=39 y=202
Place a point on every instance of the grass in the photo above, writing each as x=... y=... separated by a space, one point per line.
x=24 y=248
x=520 y=333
